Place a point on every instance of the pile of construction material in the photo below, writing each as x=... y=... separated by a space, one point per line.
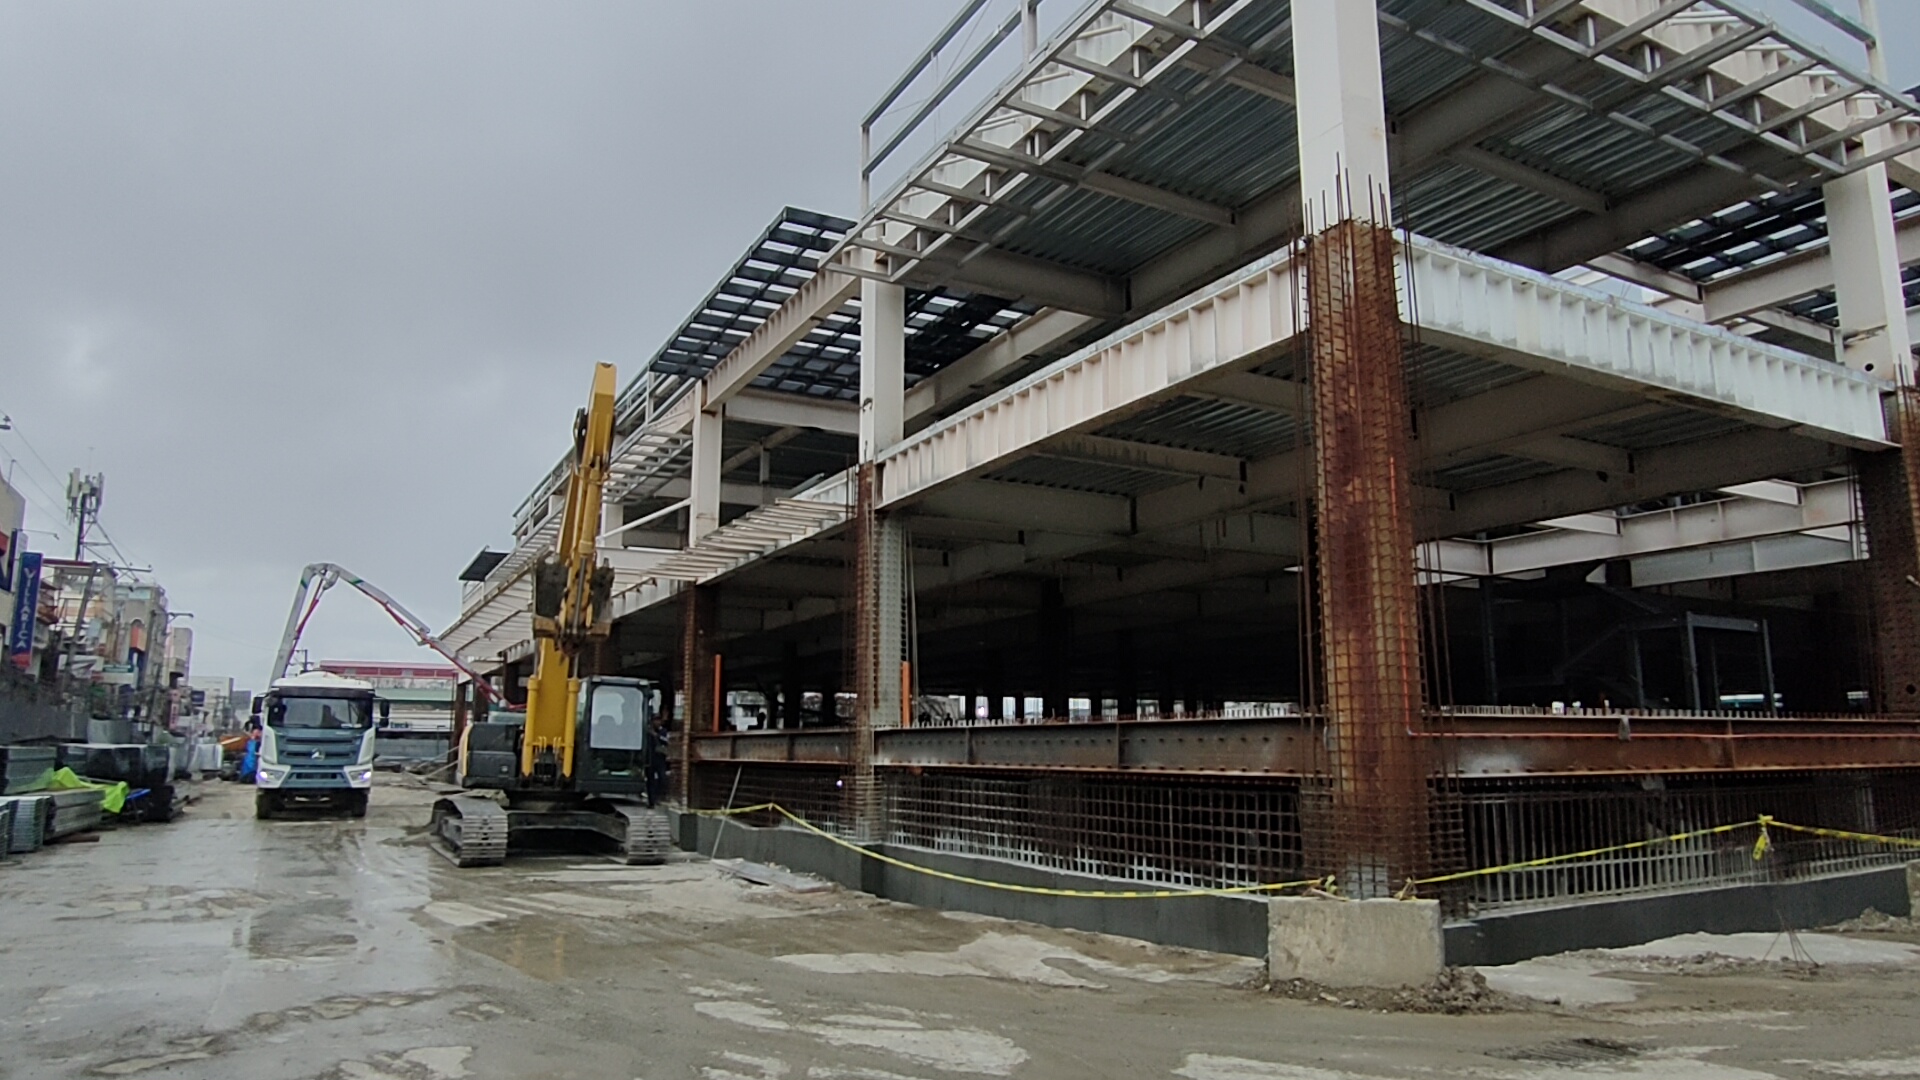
x=51 y=793
x=147 y=771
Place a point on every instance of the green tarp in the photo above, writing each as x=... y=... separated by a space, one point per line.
x=111 y=803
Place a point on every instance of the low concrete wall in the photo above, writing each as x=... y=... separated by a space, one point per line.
x=1240 y=924
x=1229 y=924
x=1383 y=943
x=1510 y=937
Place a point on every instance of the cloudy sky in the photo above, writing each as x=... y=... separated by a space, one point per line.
x=322 y=279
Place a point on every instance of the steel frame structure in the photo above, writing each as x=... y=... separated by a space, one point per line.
x=1120 y=422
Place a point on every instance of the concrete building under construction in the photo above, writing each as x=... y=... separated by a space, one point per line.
x=1282 y=438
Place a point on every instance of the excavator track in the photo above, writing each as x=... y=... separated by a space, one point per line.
x=649 y=838
x=470 y=831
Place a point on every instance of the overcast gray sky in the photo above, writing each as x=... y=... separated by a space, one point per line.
x=323 y=280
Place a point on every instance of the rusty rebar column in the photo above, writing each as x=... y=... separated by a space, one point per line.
x=1889 y=485
x=1376 y=785
x=877 y=613
x=698 y=608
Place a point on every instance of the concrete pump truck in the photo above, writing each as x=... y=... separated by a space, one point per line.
x=574 y=765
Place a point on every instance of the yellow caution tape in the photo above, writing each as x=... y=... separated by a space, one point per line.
x=1842 y=834
x=1590 y=853
x=1034 y=890
x=1763 y=843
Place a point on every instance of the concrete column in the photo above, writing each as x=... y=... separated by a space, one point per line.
x=883 y=366
x=699 y=610
x=1374 y=837
x=704 y=498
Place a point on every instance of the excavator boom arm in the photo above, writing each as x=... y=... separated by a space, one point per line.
x=554 y=687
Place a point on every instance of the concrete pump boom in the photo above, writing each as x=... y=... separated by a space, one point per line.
x=317 y=578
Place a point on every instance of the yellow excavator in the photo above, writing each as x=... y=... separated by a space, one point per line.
x=573 y=767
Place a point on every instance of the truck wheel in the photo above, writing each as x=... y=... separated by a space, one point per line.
x=262 y=805
x=357 y=804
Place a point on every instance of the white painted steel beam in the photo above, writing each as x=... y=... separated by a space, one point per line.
x=1171 y=460
x=1233 y=323
x=1260 y=391
x=978 y=369
x=1800 y=274
x=1482 y=306
x=1701 y=466
x=1826 y=505
x=822 y=295
x=793 y=410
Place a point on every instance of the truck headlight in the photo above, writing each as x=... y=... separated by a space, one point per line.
x=271 y=776
x=359 y=775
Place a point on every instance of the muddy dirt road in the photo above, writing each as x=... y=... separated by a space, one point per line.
x=222 y=947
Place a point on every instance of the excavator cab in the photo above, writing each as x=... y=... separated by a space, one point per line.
x=613 y=742
x=615 y=737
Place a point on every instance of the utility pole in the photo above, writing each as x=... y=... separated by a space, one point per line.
x=83 y=506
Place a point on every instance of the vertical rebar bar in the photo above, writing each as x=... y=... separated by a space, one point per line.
x=1369 y=603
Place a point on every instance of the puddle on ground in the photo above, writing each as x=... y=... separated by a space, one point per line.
x=420 y=1063
x=1672 y=1063
x=1598 y=976
x=897 y=1032
x=301 y=930
x=1019 y=958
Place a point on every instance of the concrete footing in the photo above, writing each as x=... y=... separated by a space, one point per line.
x=1381 y=943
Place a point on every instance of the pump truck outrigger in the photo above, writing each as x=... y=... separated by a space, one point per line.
x=575 y=764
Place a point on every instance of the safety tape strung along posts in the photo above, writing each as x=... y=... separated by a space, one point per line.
x=1762 y=844
x=1035 y=890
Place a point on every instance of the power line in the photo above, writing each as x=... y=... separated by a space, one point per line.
x=54 y=477
x=53 y=474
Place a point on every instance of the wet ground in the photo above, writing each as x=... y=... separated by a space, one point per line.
x=222 y=947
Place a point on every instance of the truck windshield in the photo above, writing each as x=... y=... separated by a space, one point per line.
x=308 y=712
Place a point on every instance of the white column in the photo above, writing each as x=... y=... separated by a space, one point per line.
x=1341 y=113
x=1866 y=275
x=883 y=365
x=1874 y=332
x=704 y=514
x=612 y=516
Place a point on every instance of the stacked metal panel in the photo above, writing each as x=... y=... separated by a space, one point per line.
x=31 y=813
x=77 y=810
x=26 y=768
